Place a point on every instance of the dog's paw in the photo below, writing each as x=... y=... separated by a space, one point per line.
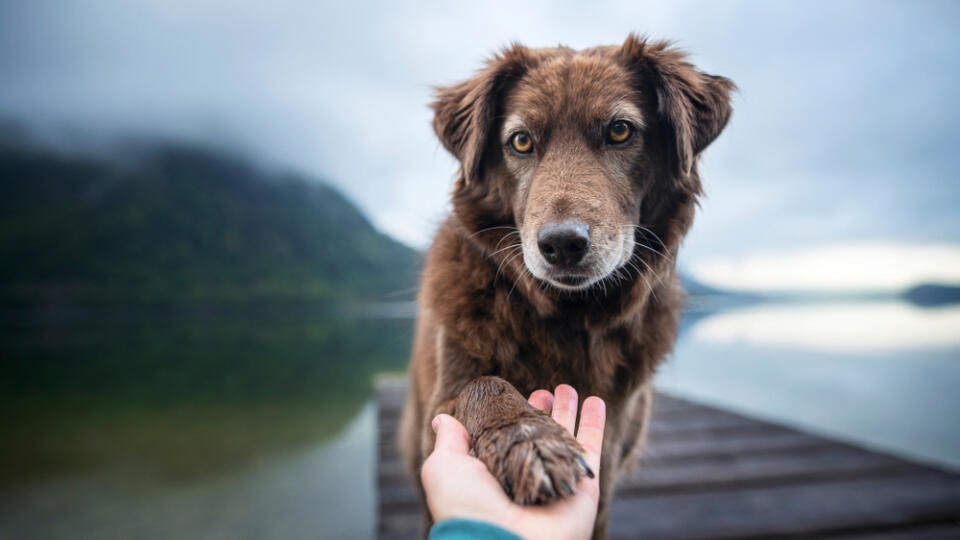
x=535 y=459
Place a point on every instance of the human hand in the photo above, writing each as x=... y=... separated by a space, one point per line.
x=459 y=485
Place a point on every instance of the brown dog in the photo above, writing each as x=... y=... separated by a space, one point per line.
x=578 y=181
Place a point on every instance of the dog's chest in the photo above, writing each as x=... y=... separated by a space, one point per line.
x=565 y=354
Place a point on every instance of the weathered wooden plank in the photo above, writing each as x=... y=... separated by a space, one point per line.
x=664 y=403
x=724 y=445
x=791 y=509
x=828 y=464
x=400 y=525
x=937 y=531
x=708 y=421
x=398 y=493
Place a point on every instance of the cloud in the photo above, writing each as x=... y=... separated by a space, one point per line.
x=857 y=267
x=844 y=126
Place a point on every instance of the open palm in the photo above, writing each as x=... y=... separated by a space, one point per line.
x=459 y=485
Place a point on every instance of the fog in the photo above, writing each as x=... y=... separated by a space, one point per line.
x=844 y=130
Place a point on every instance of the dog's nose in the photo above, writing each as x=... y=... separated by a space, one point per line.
x=564 y=243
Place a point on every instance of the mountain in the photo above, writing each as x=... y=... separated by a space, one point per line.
x=696 y=288
x=933 y=295
x=176 y=223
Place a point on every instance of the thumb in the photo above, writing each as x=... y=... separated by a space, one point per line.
x=451 y=435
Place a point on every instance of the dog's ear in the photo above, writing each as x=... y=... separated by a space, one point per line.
x=693 y=107
x=465 y=113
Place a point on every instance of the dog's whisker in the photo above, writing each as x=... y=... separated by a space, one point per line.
x=497 y=246
x=653 y=249
x=621 y=278
x=511 y=246
x=647 y=230
x=524 y=272
x=508 y=235
x=644 y=278
x=650 y=287
x=613 y=278
x=506 y=262
x=516 y=281
x=652 y=271
x=648 y=248
x=655 y=236
x=503 y=266
x=492 y=229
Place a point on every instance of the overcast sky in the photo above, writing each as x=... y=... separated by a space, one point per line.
x=845 y=131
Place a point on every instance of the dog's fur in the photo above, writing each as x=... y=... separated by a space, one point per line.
x=495 y=318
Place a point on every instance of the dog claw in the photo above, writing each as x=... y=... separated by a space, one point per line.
x=548 y=488
x=509 y=487
x=566 y=487
x=584 y=467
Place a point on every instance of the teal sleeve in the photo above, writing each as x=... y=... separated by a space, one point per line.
x=466 y=529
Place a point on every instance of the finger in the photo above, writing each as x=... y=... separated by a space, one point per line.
x=565 y=406
x=593 y=416
x=542 y=399
x=451 y=435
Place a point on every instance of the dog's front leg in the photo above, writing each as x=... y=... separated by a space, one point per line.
x=535 y=459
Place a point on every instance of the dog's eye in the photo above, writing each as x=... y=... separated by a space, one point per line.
x=619 y=132
x=521 y=142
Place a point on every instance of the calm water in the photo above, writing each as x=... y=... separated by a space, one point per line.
x=256 y=423
x=234 y=424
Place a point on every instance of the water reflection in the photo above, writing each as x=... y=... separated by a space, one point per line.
x=880 y=374
x=879 y=327
x=224 y=424
x=315 y=491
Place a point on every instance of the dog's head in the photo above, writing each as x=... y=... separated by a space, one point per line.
x=582 y=152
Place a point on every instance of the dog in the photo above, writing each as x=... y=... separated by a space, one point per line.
x=578 y=180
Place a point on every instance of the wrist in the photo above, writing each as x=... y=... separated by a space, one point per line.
x=463 y=529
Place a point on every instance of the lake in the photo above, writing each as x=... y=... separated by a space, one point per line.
x=255 y=421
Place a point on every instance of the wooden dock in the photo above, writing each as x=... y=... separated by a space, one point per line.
x=709 y=473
